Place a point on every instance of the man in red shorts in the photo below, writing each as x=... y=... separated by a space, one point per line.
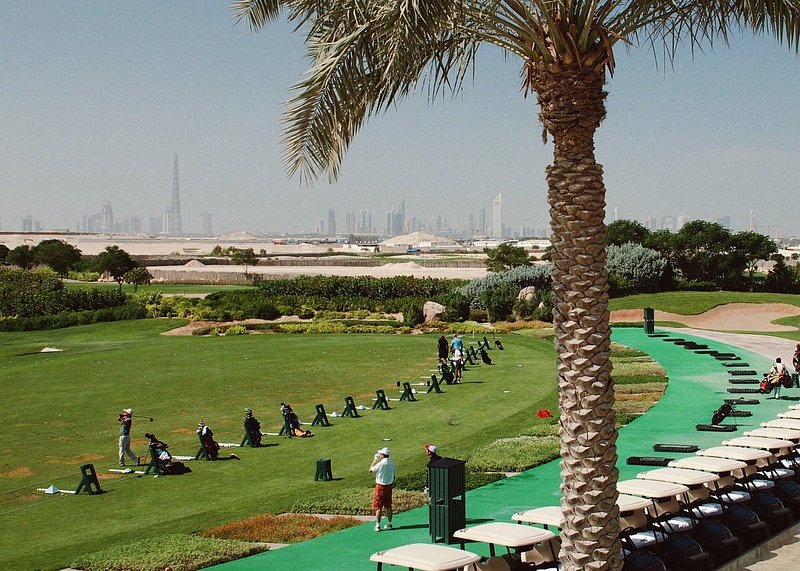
x=385 y=472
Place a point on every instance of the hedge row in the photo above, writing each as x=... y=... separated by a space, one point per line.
x=68 y=319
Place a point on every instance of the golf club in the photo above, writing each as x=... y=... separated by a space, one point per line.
x=145 y=416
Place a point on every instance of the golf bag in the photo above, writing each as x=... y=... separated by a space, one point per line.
x=447 y=374
x=485 y=357
x=721 y=413
x=498 y=344
x=772 y=380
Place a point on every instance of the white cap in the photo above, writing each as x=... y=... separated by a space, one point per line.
x=431 y=448
x=384 y=451
x=129 y=411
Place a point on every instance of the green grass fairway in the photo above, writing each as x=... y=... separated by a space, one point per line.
x=59 y=411
x=696 y=302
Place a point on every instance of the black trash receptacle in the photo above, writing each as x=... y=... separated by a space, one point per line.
x=649 y=320
x=447 y=511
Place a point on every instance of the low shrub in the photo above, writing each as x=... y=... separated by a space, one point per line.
x=180 y=552
x=696 y=286
x=69 y=319
x=417 y=481
x=514 y=454
x=356 y=501
x=236 y=330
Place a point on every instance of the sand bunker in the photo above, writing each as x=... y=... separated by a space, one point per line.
x=729 y=317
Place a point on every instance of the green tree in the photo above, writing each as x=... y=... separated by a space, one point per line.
x=137 y=276
x=21 y=256
x=700 y=250
x=749 y=248
x=366 y=55
x=116 y=261
x=244 y=257
x=505 y=257
x=621 y=232
x=57 y=254
x=4 y=250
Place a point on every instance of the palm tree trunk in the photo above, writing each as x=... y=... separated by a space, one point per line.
x=572 y=103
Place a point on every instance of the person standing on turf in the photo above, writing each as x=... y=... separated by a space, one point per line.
x=125 y=420
x=385 y=473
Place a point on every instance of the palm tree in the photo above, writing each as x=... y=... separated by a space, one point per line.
x=368 y=54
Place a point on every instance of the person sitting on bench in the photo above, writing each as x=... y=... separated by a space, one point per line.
x=294 y=422
x=252 y=426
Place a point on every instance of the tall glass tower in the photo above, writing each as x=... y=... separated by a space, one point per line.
x=173 y=218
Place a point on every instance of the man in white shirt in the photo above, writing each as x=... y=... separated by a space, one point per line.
x=385 y=473
x=776 y=373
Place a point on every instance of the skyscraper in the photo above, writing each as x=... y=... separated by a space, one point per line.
x=205 y=224
x=172 y=219
x=331 y=222
x=497 y=216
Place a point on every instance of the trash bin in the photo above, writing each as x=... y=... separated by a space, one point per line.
x=649 y=320
x=447 y=508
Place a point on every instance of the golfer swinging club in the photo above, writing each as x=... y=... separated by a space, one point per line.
x=125 y=420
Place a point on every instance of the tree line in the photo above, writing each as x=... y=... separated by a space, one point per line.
x=700 y=256
x=62 y=257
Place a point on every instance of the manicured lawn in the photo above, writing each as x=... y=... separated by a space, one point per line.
x=695 y=302
x=59 y=411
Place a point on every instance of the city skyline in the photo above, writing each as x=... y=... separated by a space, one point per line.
x=99 y=97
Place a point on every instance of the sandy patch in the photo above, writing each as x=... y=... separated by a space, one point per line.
x=729 y=317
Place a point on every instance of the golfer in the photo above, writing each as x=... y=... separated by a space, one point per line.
x=385 y=473
x=125 y=420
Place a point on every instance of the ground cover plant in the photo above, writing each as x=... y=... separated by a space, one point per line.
x=59 y=411
x=283 y=528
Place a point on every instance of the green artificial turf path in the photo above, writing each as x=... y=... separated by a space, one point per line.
x=697 y=387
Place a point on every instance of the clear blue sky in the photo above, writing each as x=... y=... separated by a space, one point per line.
x=97 y=96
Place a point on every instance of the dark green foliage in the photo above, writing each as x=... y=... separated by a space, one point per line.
x=456 y=306
x=29 y=294
x=21 y=256
x=59 y=256
x=70 y=319
x=362 y=286
x=412 y=313
x=505 y=257
x=696 y=286
x=240 y=304
x=116 y=262
x=3 y=253
x=243 y=257
x=621 y=232
x=499 y=301
x=137 y=276
x=780 y=278
x=35 y=294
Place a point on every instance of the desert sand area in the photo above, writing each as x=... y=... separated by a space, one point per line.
x=138 y=245
x=729 y=317
x=195 y=272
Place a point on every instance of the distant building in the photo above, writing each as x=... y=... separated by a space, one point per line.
x=27 y=223
x=331 y=222
x=206 y=228
x=172 y=216
x=497 y=216
x=107 y=218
